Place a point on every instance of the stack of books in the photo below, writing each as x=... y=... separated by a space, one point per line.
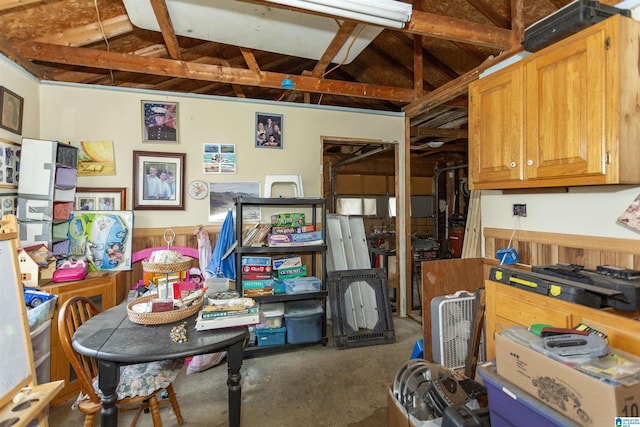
x=236 y=312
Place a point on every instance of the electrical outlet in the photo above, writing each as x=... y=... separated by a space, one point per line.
x=519 y=209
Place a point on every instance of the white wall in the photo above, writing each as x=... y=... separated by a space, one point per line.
x=90 y=113
x=588 y=211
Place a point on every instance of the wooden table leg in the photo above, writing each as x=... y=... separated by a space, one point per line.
x=234 y=363
x=109 y=377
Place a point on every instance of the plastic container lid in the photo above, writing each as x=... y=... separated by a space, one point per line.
x=303 y=309
x=273 y=309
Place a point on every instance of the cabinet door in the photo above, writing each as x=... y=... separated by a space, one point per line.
x=496 y=127
x=565 y=110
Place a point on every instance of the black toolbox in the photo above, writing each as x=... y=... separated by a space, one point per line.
x=550 y=286
x=569 y=20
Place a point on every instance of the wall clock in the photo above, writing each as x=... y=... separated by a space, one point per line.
x=198 y=189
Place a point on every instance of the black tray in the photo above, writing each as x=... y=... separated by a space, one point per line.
x=569 y=20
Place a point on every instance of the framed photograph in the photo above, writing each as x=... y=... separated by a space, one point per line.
x=222 y=197
x=100 y=199
x=9 y=164
x=158 y=180
x=12 y=107
x=159 y=121
x=269 y=130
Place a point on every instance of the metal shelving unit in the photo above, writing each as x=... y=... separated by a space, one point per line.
x=318 y=216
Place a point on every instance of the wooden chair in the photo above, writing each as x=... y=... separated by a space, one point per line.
x=73 y=313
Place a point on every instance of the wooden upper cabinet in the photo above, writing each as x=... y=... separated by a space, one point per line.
x=579 y=106
x=496 y=132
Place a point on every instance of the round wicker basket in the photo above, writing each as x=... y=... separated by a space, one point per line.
x=169 y=267
x=162 y=317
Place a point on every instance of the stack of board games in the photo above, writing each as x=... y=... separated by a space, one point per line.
x=239 y=311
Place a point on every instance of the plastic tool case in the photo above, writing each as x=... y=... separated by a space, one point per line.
x=569 y=20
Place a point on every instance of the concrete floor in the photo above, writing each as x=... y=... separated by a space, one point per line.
x=313 y=387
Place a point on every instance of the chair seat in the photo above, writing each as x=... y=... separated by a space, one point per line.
x=144 y=379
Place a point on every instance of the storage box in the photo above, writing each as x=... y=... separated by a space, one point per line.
x=550 y=286
x=271 y=315
x=290 y=272
x=40 y=314
x=511 y=406
x=256 y=260
x=574 y=394
x=43 y=368
x=569 y=20
x=304 y=321
x=285 y=219
x=287 y=261
x=266 y=336
x=399 y=417
x=41 y=339
x=301 y=285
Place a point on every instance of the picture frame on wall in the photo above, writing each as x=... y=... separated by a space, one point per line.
x=269 y=130
x=100 y=199
x=9 y=164
x=158 y=180
x=159 y=121
x=12 y=106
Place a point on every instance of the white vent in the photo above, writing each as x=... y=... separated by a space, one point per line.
x=451 y=322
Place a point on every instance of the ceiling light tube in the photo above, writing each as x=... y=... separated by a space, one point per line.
x=387 y=13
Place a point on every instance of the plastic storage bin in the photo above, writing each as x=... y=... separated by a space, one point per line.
x=271 y=336
x=301 y=285
x=304 y=321
x=510 y=406
x=41 y=340
x=38 y=315
x=43 y=368
x=271 y=315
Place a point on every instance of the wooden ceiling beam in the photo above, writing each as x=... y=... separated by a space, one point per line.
x=455 y=87
x=166 y=28
x=10 y=4
x=446 y=27
x=190 y=70
x=250 y=59
x=10 y=52
x=90 y=33
x=334 y=47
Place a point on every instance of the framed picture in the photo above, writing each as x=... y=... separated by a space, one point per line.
x=9 y=163
x=159 y=121
x=100 y=199
x=158 y=180
x=12 y=107
x=268 y=130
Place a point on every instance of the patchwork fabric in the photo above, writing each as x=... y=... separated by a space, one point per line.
x=143 y=379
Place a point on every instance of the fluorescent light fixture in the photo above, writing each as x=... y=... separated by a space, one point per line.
x=387 y=13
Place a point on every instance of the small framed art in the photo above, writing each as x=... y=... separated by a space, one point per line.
x=12 y=106
x=269 y=130
x=158 y=180
x=159 y=121
x=100 y=199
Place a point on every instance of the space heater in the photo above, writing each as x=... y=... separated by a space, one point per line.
x=452 y=322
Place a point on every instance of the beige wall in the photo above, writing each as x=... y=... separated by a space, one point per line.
x=18 y=81
x=77 y=113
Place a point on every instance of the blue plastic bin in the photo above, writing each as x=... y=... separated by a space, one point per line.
x=510 y=406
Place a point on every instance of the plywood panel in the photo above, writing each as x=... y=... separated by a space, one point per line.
x=348 y=184
x=445 y=277
x=421 y=186
x=374 y=184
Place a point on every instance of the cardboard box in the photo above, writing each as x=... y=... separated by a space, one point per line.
x=574 y=394
x=399 y=417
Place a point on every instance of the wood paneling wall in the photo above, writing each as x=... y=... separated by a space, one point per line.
x=540 y=248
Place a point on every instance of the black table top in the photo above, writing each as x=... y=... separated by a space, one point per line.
x=111 y=336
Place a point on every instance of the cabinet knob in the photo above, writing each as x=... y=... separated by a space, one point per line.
x=513 y=164
x=529 y=162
